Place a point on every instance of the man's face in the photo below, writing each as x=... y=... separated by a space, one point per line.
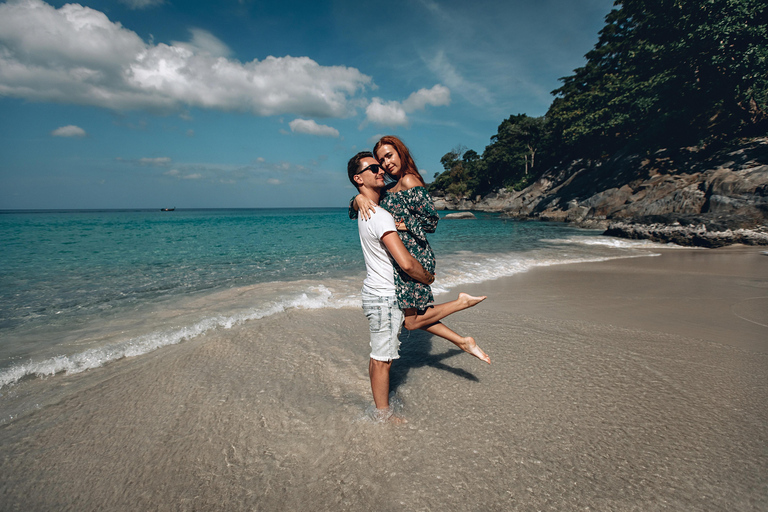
x=372 y=177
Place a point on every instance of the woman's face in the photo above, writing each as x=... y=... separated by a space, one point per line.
x=389 y=160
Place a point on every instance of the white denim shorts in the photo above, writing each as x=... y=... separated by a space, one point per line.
x=384 y=320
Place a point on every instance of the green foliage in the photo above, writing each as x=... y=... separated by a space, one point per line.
x=668 y=72
x=462 y=168
x=512 y=152
x=663 y=73
x=520 y=183
x=509 y=161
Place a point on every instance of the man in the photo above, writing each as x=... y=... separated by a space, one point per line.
x=379 y=240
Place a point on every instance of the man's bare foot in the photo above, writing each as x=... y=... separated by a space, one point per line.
x=469 y=346
x=470 y=300
x=397 y=420
x=386 y=416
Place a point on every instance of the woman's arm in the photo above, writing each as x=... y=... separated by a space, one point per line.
x=361 y=204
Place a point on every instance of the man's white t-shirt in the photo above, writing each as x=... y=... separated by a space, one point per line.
x=380 y=279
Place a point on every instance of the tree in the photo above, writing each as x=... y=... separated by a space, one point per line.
x=511 y=156
x=453 y=180
x=529 y=131
x=663 y=73
x=451 y=158
x=509 y=160
x=668 y=72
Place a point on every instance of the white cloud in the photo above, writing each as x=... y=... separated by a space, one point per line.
x=77 y=55
x=69 y=131
x=441 y=14
x=179 y=174
x=142 y=4
x=159 y=161
x=476 y=94
x=312 y=128
x=390 y=113
x=203 y=42
x=255 y=173
x=437 y=96
x=393 y=113
x=373 y=140
x=430 y=5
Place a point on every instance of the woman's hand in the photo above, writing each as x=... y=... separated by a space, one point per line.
x=364 y=206
x=400 y=225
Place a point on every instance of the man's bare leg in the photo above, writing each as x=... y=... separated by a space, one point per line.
x=415 y=320
x=379 y=373
x=465 y=343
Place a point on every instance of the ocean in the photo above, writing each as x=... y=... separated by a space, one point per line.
x=79 y=289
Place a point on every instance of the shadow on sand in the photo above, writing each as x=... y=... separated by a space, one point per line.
x=416 y=352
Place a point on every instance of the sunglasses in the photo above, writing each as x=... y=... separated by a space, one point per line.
x=374 y=168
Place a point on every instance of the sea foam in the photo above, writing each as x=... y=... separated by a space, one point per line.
x=315 y=297
x=467 y=267
x=233 y=307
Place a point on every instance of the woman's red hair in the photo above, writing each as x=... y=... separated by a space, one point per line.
x=406 y=160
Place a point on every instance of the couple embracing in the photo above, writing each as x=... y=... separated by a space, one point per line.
x=392 y=222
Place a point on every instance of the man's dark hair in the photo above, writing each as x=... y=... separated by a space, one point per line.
x=354 y=163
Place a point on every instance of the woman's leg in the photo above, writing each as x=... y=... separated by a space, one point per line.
x=419 y=320
x=465 y=343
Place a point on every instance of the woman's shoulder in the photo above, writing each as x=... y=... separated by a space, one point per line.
x=410 y=181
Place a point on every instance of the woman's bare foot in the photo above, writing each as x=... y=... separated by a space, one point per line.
x=469 y=346
x=470 y=300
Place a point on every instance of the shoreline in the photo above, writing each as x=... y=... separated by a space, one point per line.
x=691 y=300
x=45 y=352
x=624 y=384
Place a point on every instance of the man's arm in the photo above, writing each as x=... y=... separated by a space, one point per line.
x=408 y=263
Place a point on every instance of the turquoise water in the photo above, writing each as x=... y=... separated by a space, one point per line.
x=81 y=288
x=73 y=263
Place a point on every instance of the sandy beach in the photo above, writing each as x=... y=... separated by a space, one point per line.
x=634 y=384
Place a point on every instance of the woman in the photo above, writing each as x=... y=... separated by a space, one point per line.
x=410 y=204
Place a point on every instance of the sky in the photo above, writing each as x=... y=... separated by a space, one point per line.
x=260 y=104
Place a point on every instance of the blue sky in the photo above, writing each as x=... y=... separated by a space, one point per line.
x=246 y=103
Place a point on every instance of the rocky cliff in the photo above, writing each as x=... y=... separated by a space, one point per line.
x=687 y=196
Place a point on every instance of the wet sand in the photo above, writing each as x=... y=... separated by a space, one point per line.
x=625 y=385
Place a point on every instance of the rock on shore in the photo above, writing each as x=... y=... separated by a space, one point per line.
x=684 y=196
x=691 y=235
x=460 y=215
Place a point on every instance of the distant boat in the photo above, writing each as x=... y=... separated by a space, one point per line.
x=167 y=209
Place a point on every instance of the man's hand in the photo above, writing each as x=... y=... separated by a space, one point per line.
x=407 y=262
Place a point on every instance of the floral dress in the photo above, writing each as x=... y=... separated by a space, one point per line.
x=415 y=208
